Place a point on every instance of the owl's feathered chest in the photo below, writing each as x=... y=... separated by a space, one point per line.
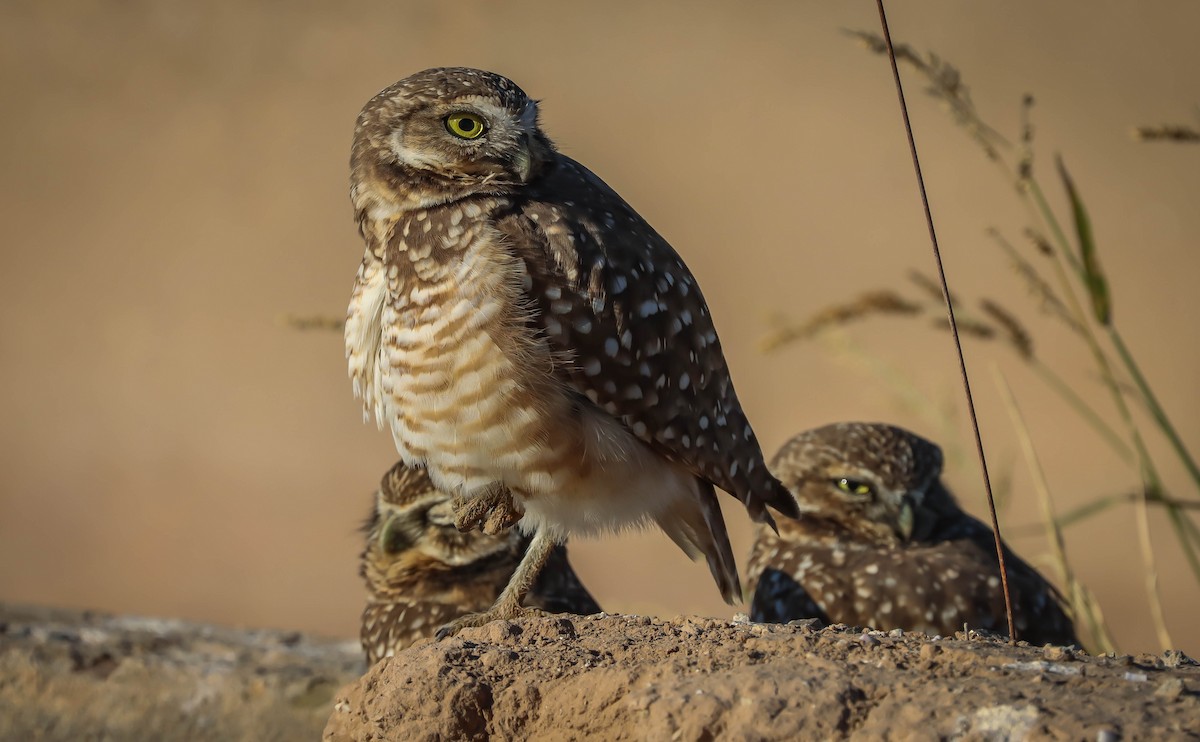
x=440 y=345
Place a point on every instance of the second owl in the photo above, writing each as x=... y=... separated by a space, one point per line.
x=882 y=543
x=422 y=572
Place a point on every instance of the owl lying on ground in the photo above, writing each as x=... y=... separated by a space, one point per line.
x=882 y=543
x=422 y=572
x=528 y=338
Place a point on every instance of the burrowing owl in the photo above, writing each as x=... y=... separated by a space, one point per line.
x=530 y=339
x=421 y=571
x=882 y=543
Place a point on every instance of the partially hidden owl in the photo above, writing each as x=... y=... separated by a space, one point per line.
x=882 y=543
x=530 y=339
x=422 y=572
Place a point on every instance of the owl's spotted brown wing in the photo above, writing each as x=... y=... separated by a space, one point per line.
x=935 y=587
x=956 y=538
x=778 y=598
x=388 y=628
x=1038 y=606
x=617 y=302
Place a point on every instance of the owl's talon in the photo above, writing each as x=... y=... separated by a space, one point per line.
x=500 y=519
x=492 y=512
x=475 y=620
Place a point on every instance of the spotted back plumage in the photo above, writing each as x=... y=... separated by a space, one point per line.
x=421 y=572
x=515 y=323
x=614 y=297
x=883 y=543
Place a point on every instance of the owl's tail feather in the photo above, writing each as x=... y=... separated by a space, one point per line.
x=698 y=527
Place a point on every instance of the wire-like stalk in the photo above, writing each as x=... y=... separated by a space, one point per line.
x=1082 y=606
x=962 y=363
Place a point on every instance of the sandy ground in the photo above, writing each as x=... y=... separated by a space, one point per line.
x=68 y=675
x=631 y=677
x=83 y=676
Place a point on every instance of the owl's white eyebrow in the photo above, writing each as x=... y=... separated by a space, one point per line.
x=417 y=157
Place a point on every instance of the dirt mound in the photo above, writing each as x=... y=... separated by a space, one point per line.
x=71 y=675
x=627 y=677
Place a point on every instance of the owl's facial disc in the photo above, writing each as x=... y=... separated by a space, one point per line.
x=859 y=497
x=472 y=139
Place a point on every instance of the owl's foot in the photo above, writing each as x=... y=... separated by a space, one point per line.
x=493 y=511
x=508 y=605
x=475 y=620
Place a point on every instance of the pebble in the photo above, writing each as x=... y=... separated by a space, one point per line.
x=1175 y=658
x=1169 y=690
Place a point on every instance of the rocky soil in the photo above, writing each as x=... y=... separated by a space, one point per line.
x=66 y=675
x=78 y=676
x=635 y=678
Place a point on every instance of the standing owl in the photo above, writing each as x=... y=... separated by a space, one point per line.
x=882 y=543
x=421 y=571
x=529 y=339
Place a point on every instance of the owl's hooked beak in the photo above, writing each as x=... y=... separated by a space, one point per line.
x=385 y=532
x=522 y=164
x=905 y=519
x=531 y=157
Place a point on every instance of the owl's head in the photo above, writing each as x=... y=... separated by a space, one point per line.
x=412 y=544
x=871 y=479
x=445 y=134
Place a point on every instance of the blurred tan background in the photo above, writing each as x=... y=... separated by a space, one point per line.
x=173 y=180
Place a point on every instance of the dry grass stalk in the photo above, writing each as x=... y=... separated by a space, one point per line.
x=1166 y=133
x=871 y=303
x=314 y=322
x=968 y=326
x=1016 y=334
x=1039 y=241
x=1141 y=509
x=946 y=85
x=1042 y=291
x=931 y=287
x=1082 y=603
x=1025 y=162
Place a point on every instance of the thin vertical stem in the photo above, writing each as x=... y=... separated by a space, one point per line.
x=962 y=363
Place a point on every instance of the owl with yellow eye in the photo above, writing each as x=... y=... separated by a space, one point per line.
x=882 y=543
x=531 y=342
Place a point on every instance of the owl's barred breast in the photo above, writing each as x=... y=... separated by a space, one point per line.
x=453 y=387
x=467 y=384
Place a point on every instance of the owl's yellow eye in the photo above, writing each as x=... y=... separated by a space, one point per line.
x=466 y=125
x=853 y=486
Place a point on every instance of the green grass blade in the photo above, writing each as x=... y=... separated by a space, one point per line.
x=1156 y=410
x=1089 y=509
x=1093 y=277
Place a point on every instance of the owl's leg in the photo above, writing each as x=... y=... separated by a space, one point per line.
x=493 y=511
x=508 y=605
